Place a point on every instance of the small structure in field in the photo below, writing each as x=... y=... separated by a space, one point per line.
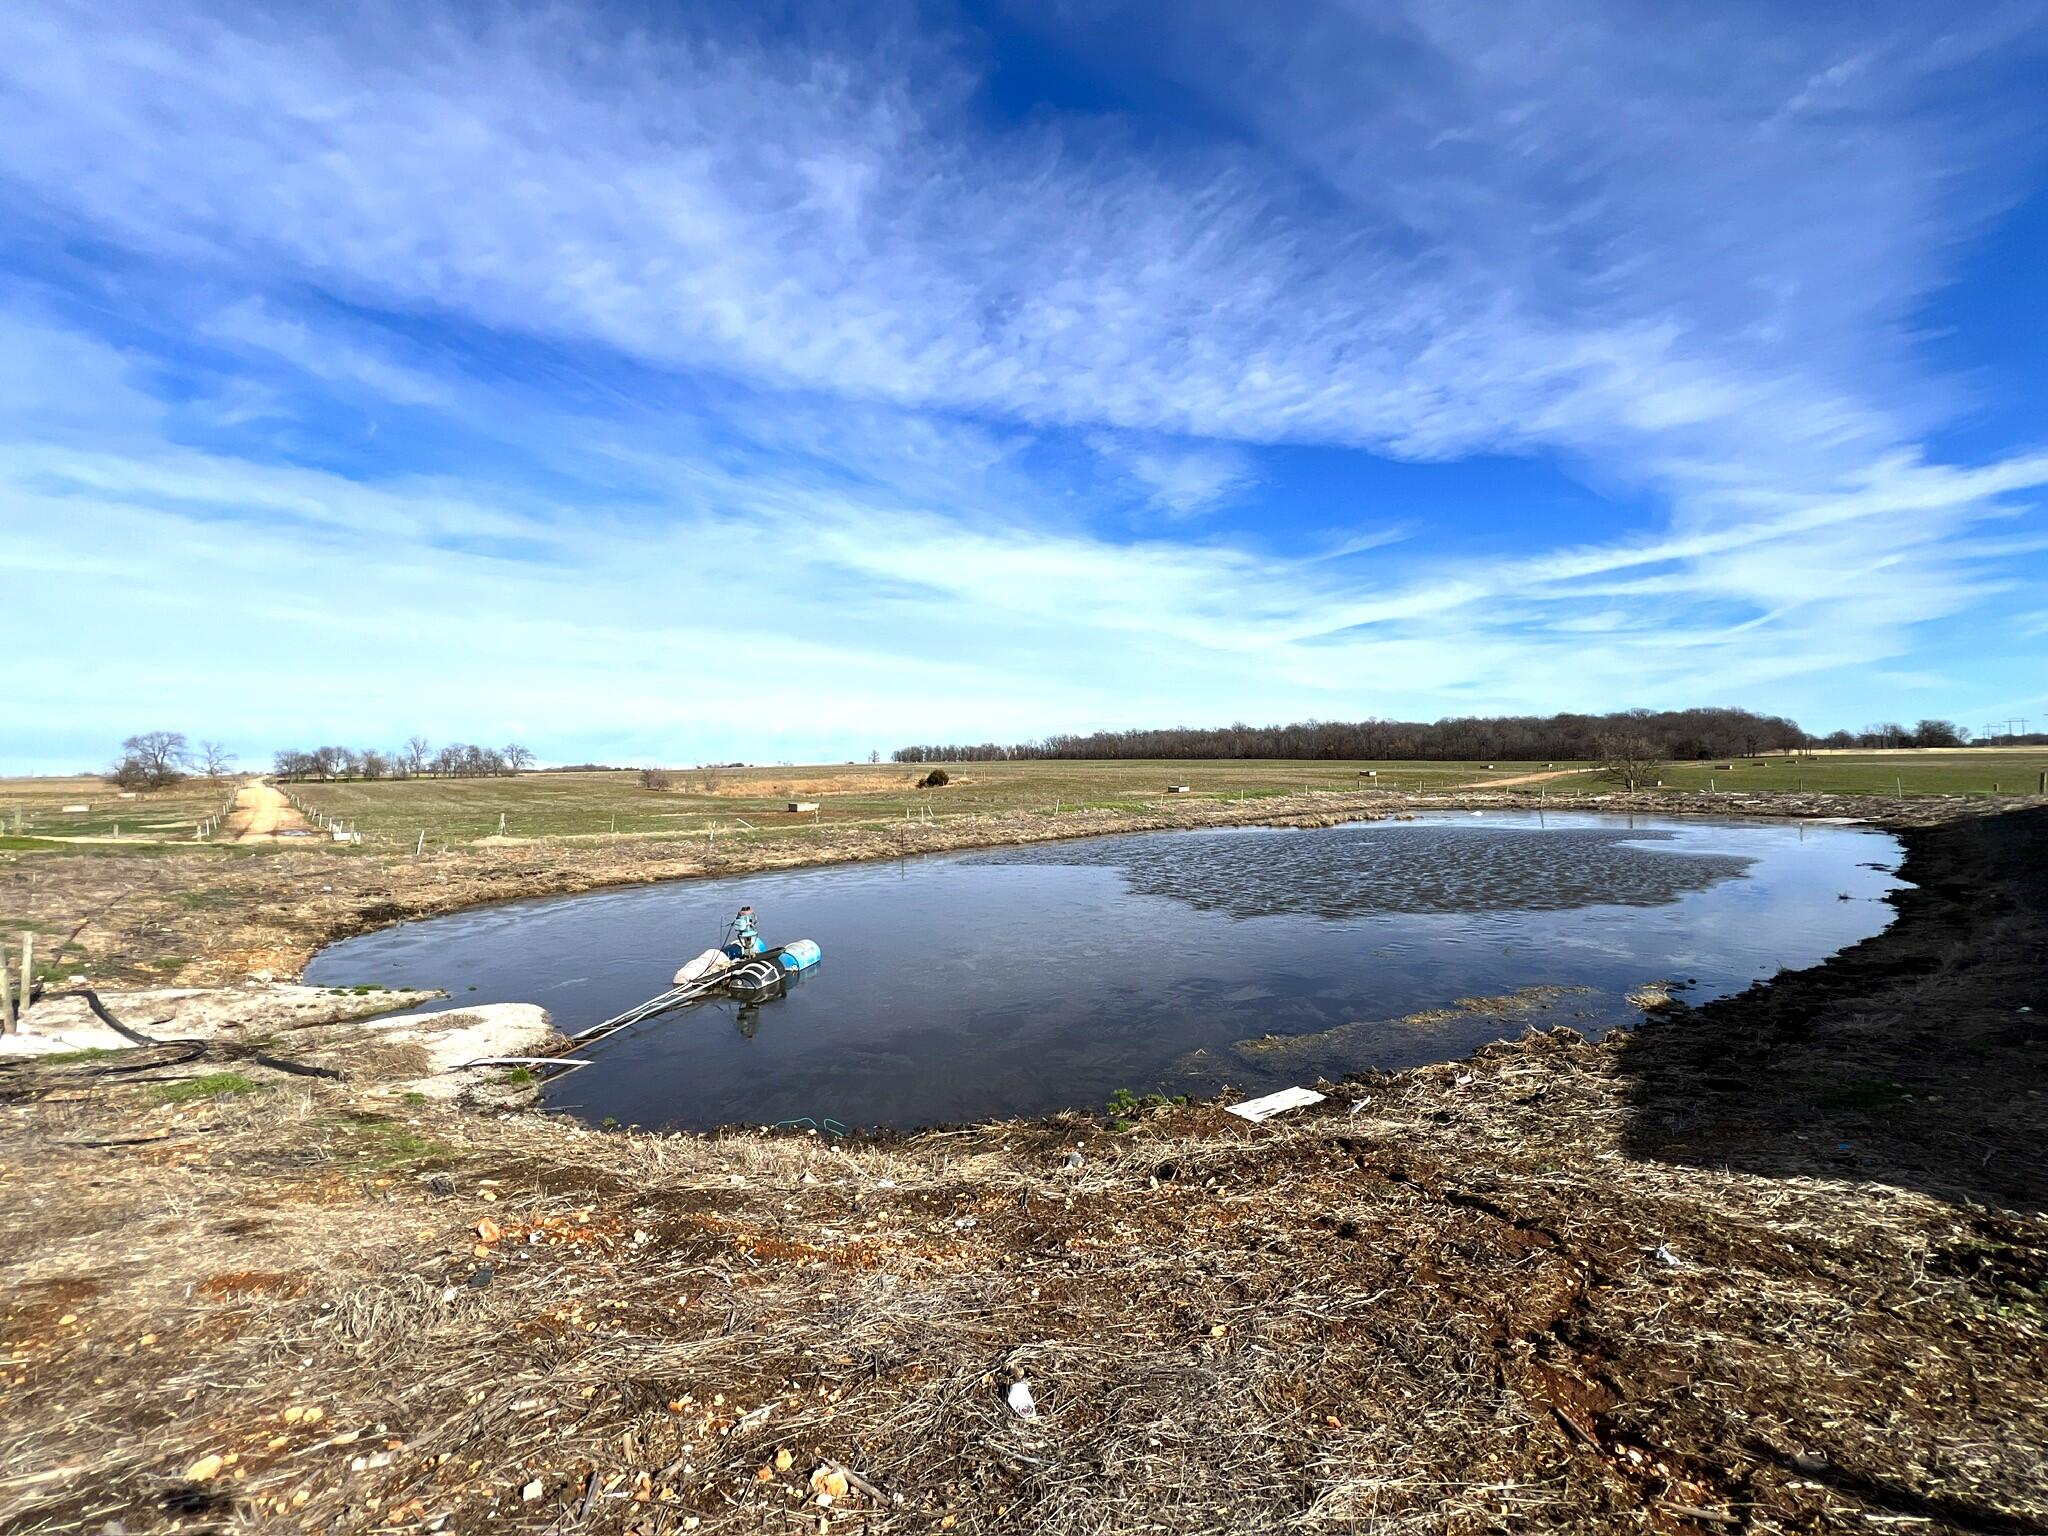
x=1180 y=789
x=803 y=805
x=73 y=810
x=1368 y=773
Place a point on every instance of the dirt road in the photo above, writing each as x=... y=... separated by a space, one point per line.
x=1525 y=778
x=261 y=814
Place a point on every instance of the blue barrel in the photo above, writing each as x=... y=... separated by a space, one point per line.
x=801 y=955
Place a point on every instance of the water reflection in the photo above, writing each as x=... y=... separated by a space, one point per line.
x=1033 y=979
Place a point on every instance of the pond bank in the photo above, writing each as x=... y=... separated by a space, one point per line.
x=1772 y=1265
x=202 y=915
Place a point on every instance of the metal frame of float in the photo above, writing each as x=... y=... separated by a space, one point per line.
x=675 y=997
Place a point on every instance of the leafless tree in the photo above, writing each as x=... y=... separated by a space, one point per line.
x=656 y=778
x=216 y=760
x=1677 y=735
x=516 y=757
x=417 y=755
x=1627 y=759
x=151 y=760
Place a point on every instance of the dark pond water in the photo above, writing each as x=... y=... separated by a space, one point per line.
x=1022 y=981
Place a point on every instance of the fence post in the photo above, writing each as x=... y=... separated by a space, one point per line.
x=28 y=960
x=6 y=996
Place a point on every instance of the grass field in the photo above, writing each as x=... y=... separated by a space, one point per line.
x=601 y=804
x=36 y=808
x=1976 y=771
x=392 y=813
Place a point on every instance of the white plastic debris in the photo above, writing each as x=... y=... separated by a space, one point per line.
x=1020 y=1400
x=1275 y=1103
x=1465 y=1080
x=1358 y=1104
x=1666 y=1257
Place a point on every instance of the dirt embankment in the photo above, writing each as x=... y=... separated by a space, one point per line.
x=1772 y=1266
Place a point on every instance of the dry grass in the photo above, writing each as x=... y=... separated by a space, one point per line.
x=1459 y=1309
x=202 y=915
x=1695 y=1279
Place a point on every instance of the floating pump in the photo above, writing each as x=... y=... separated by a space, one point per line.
x=800 y=956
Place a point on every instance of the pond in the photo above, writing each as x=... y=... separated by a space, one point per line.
x=1021 y=981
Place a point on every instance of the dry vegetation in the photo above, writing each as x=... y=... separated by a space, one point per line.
x=1773 y=1265
x=204 y=914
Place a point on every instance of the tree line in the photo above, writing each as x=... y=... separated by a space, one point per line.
x=158 y=759
x=1673 y=735
x=417 y=759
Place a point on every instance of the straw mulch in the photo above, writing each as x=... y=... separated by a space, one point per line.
x=1513 y=1294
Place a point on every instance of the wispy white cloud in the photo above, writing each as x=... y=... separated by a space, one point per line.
x=1179 y=479
x=790 y=338
x=252 y=326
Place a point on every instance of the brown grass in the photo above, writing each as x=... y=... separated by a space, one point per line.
x=1498 y=1295
x=1771 y=1265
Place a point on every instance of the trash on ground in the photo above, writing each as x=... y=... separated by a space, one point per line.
x=1275 y=1103
x=1020 y=1400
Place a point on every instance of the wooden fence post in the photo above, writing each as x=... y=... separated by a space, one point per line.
x=6 y=996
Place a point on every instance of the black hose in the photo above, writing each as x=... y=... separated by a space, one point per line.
x=275 y=1063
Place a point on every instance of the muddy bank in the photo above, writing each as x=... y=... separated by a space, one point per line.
x=1542 y=1290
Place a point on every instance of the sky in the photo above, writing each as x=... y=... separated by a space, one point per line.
x=653 y=383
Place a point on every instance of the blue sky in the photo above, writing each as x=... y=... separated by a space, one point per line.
x=657 y=383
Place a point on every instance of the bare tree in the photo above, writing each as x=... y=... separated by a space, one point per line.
x=151 y=760
x=417 y=754
x=216 y=760
x=656 y=778
x=516 y=757
x=1626 y=759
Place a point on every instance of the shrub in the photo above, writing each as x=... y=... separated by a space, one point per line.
x=936 y=779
